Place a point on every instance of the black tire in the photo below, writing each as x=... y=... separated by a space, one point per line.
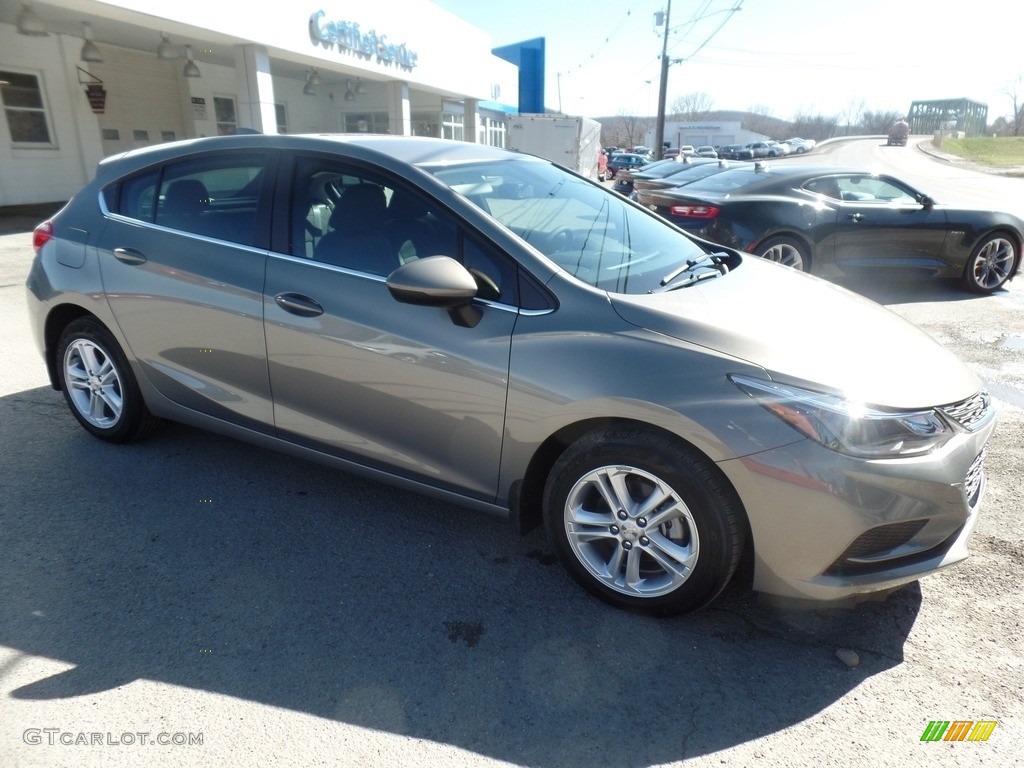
x=787 y=251
x=991 y=263
x=98 y=384
x=626 y=556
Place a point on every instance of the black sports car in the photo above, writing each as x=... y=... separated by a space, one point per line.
x=624 y=178
x=835 y=222
x=689 y=172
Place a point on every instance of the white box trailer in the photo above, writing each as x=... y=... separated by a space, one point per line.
x=572 y=142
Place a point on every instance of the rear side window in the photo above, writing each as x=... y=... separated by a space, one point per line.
x=214 y=196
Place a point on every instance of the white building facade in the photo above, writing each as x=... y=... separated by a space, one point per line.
x=83 y=79
x=705 y=133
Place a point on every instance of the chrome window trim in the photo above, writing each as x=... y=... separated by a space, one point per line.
x=381 y=279
x=184 y=232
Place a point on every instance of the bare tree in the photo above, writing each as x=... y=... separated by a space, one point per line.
x=760 y=120
x=628 y=129
x=878 y=122
x=1013 y=90
x=691 y=107
x=817 y=127
x=1001 y=126
x=851 y=117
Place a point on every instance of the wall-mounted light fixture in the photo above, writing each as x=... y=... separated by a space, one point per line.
x=29 y=23
x=89 y=50
x=360 y=87
x=314 y=77
x=349 y=93
x=191 y=70
x=309 y=89
x=166 y=50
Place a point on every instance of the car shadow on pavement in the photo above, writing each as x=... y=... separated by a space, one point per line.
x=889 y=289
x=202 y=562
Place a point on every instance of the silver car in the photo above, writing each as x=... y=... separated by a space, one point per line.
x=491 y=329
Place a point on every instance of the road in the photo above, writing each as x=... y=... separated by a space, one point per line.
x=195 y=589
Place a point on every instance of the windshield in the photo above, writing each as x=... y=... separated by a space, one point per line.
x=588 y=231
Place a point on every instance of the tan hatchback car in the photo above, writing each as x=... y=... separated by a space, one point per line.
x=489 y=328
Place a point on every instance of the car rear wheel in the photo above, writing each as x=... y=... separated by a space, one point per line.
x=642 y=521
x=786 y=251
x=991 y=264
x=98 y=384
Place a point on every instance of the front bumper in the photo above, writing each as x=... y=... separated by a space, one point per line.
x=829 y=527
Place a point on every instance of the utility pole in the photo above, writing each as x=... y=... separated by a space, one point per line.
x=659 y=130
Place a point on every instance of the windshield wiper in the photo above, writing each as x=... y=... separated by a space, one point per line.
x=717 y=262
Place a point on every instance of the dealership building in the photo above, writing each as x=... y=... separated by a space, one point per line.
x=84 y=79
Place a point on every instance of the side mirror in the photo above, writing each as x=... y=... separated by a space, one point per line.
x=926 y=201
x=437 y=281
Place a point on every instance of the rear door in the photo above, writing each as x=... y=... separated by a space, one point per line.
x=183 y=260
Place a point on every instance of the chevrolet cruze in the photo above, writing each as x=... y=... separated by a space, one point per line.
x=489 y=328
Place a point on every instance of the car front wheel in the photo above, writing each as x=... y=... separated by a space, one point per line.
x=642 y=521
x=991 y=264
x=98 y=384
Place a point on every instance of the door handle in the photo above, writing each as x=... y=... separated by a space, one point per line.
x=297 y=304
x=855 y=216
x=129 y=256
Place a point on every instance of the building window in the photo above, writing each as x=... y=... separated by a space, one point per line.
x=282 y=118
x=167 y=136
x=366 y=122
x=224 y=109
x=494 y=132
x=111 y=134
x=22 y=98
x=140 y=135
x=452 y=126
x=425 y=124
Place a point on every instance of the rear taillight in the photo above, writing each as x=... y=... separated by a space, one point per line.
x=42 y=234
x=694 y=211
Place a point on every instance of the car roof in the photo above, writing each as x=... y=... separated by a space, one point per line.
x=767 y=175
x=414 y=150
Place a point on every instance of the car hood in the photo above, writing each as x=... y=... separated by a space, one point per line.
x=806 y=331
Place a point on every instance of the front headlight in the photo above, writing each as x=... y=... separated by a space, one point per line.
x=848 y=427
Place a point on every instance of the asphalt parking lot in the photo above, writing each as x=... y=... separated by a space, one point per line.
x=192 y=600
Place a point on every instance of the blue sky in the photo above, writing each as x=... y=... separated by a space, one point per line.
x=819 y=57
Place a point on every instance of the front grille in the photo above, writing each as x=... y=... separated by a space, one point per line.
x=973 y=481
x=970 y=413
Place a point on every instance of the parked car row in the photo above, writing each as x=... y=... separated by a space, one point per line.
x=837 y=222
x=489 y=328
x=751 y=151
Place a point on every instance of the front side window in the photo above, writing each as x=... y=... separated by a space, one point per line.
x=24 y=109
x=587 y=231
x=353 y=218
x=870 y=189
